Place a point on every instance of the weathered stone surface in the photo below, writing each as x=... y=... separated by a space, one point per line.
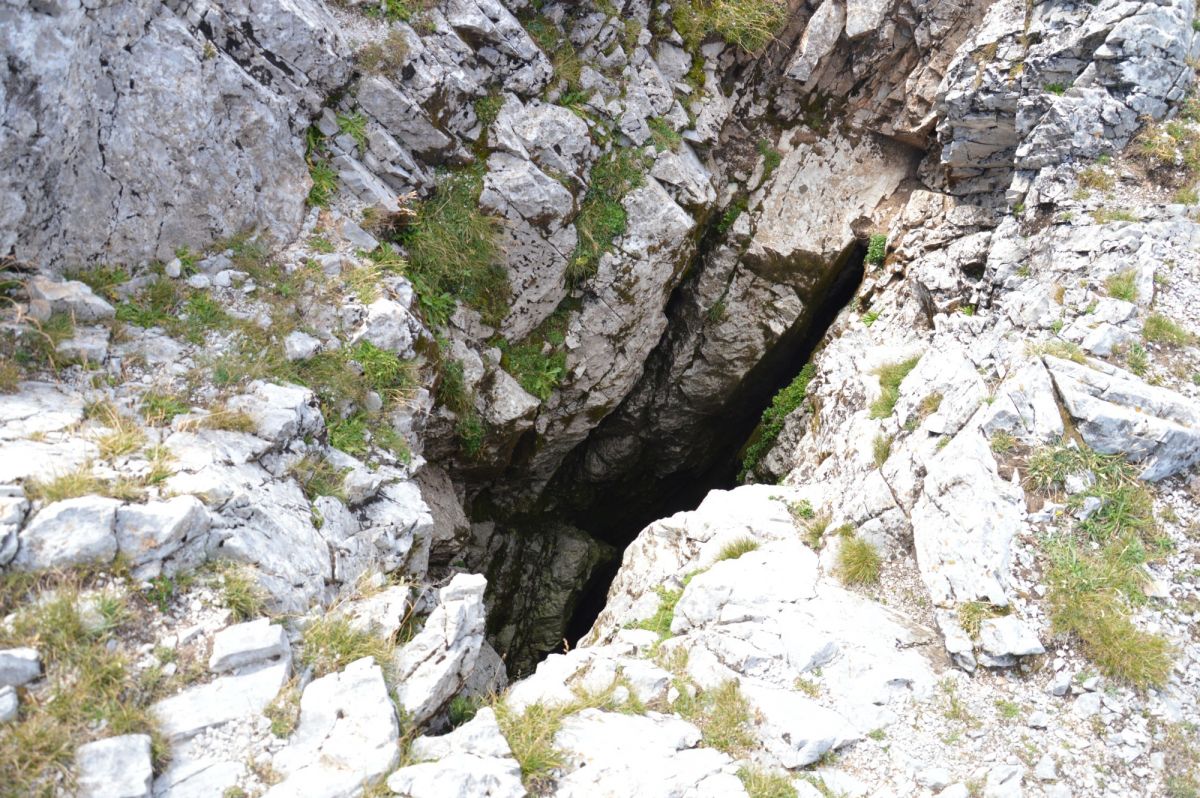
x=248 y=644
x=459 y=775
x=1115 y=412
x=18 y=666
x=148 y=533
x=9 y=703
x=432 y=666
x=112 y=74
x=115 y=767
x=346 y=737
x=219 y=701
x=72 y=298
x=70 y=532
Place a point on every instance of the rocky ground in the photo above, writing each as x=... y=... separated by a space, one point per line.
x=330 y=332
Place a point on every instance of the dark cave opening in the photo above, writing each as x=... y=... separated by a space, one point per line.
x=611 y=517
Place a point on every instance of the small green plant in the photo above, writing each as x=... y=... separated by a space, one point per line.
x=284 y=711
x=723 y=715
x=331 y=643
x=1093 y=177
x=660 y=621
x=890 y=377
x=748 y=24
x=10 y=375
x=782 y=405
x=354 y=126
x=1009 y=710
x=802 y=510
x=318 y=477
x=736 y=548
x=1003 y=442
x=1161 y=330
x=870 y=317
x=878 y=735
x=1137 y=359
x=762 y=783
x=771 y=158
x=1110 y=215
x=453 y=248
x=1055 y=88
x=538 y=371
x=530 y=734
x=736 y=208
x=69 y=485
x=324 y=183
x=159 y=408
x=662 y=135
x=876 y=249
x=881 y=449
x=601 y=218
x=859 y=562
x=241 y=594
x=1123 y=285
x=461 y=710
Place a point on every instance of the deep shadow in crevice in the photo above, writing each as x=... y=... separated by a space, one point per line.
x=618 y=513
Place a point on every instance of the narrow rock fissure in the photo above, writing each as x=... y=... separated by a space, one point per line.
x=521 y=563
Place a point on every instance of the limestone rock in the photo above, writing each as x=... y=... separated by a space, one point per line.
x=9 y=704
x=149 y=533
x=18 y=666
x=459 y=776
x=248 y=644
x=280 y=412
x=346 y=736
x=72 y=298
x=300 y=346
x=115 y=767
x=1118 y=413
x=219 y=701
x=69 y=532
x=432 y=666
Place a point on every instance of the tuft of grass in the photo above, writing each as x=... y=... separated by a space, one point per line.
x=318 y=477
x=858 y=562
x=537 y=366
x=10 y=375
x=123 y=436
x=662 y=135
x=771 y=158
x=736 y=208
x=736 y=548
x=284 y=711
x=1055 y=88
x=1096 y=178
x=814 y=531
x=1094 y=571
x=1161 y=330
x=1003 y=442
x=876 y=249
x=881 y=449
x=747 y=24
x=972 y=614
x=1123 y=285
x=601 y=218
x=1110 y=215
x=384 y=57
x=723 y=716
x=330 y=644
x=355 y=126
x=89 y=690
x=1056 y=347
x=241 y=595
x=453 y=248
x=161 y=408
x=69 y=485
x=890 y=377
x=103 y=280
x=461 y=710
x=530 y=735
x=660 y=621
x=762 y=783
x=783 y=404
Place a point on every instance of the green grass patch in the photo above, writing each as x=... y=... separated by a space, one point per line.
x=782 y=405
x=736 y=548
x=453 y=248
x=1123 y=285
x=662 y=135
x=876 y=249
x=318 y=477
x=539 y=362
x=771 y=158
x=660 y=621
x=858 y=562
x=1161 y=330
x=890 y=377
x=331 y=643
x=881 y=449
x=89 y=690
x=723 y=716
x=601 y=218
x=1094 y=571
x=762 y=783
x=736 y=208
x=747 y=24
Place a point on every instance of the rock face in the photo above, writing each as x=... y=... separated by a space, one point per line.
x=116 y=767
x=346 y=736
